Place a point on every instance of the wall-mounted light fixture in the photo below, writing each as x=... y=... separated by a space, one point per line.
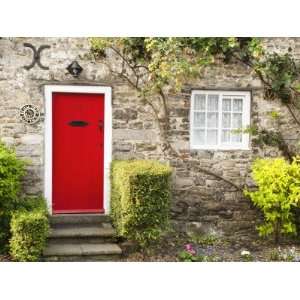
x=74 y=69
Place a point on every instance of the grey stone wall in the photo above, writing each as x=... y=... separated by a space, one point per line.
x=200 y=201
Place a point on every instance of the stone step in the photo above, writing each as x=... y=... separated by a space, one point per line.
x=82 y=252
x=84 y=237
x=82 y=240
x=76 y=234
x=76 y=258
x=91 y=231
x=79 y=219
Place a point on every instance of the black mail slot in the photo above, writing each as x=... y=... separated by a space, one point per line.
x=78 y=123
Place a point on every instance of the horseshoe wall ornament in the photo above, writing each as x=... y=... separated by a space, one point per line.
x=36 y=56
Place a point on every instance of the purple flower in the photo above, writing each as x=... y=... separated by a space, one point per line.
x=209 y=250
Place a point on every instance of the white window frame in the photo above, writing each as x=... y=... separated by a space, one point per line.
x=244 y=145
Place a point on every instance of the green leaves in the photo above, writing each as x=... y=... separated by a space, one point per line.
x=278 y=193
x=156 y=65
x=12 y=170
x=280 y=73
x=29 y=233
x=162 y=62
x=25 y=217
x=140 y=199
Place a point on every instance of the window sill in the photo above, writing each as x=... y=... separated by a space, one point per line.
x=220 y=148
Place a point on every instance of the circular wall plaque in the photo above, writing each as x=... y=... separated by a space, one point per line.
x=29 y=114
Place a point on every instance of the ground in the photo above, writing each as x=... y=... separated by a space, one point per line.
x=4 y=258
x=181 y=247
x=176 y=246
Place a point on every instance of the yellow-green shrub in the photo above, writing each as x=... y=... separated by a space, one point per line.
x=29 y=230
x=278 y=192
x=140 y=199
x=12 y=170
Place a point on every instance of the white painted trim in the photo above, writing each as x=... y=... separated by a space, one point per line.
x=245 y=145
x=48 y=90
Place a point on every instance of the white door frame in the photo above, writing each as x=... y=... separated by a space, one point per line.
x=48 y=90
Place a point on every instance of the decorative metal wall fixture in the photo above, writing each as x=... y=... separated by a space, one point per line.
x=74 y=69
x=36 y=56
x=29 y=114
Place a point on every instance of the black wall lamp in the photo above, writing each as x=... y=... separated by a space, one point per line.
x=74 y=69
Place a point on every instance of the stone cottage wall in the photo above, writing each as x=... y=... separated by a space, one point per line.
x=200 y=202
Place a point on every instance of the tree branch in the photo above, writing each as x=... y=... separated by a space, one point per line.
x=221 y=178
x=163 y=129
x=292 y=113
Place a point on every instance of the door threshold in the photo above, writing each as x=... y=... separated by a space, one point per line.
x=80 y=214
x=76 y=212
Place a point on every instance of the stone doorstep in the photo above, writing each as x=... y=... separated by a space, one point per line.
x=81 y=250
x=90 y=258
x=88 y=237
x=78 y=219
x=86 y=231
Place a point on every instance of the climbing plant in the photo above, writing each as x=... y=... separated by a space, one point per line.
x=156 y=67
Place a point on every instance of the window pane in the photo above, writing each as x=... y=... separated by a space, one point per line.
x=212 y=102
x=199 y=119
x=199 y=137
x=226 y=105
x=225 y=136
x=212 y=120
x=212 y=137
x=238 y=105
x=199 y=103
x=226 y=120
x=236 y=137
x=237 y=121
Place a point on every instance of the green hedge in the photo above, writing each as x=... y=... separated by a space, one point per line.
x=12 y=170
x=29 y=229
x=140 y=199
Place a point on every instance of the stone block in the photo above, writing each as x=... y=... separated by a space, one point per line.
x=123 y=147
x=135 y=135
x=145 y=147
x=183 y=182
x=9 y=141
x=31 y=139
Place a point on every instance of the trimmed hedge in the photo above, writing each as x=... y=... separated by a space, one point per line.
x=12 y=169
x=29 y=229
x=140 y=202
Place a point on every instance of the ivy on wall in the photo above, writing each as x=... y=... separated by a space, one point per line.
x=156 y=67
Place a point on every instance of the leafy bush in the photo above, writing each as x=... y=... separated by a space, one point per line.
x=140 y=199
x=12 y=170
x=30 y=203
x=29 y=230
x=277 y=195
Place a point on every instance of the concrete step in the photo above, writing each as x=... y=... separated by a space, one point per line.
x=84 y=237
x=76 y=234
x=79 y=219
x=82 y=252
x=81 y=231
x=82 y=240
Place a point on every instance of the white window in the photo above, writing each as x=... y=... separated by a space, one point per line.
x=217 y=118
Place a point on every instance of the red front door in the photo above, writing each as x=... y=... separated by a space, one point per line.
x=78 y=152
